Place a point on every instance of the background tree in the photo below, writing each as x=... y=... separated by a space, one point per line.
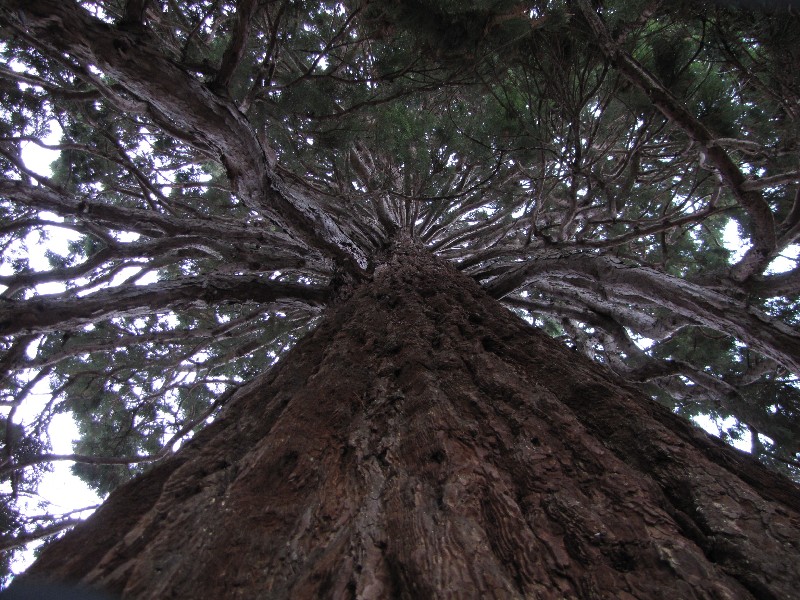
x=228 y=169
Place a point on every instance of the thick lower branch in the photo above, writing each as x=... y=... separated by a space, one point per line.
x=693 y=302
x=53 y=314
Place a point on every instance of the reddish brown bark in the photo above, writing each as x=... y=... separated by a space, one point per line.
x=424 y=442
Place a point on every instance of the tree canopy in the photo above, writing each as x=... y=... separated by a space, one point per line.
x=226 y=169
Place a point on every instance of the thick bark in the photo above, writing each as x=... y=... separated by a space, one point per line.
x=423 y=442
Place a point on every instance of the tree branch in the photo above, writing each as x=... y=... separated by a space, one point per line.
x=245 y=11
x=10 y=542
x=134 y=13
x=145 y=222
x=780 y=284
x=693 y=302
x=770 y=181
x=44 y=314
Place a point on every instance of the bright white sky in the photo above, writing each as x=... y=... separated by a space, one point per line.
x=65 y=492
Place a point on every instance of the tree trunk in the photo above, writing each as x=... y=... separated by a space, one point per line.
x=424 y=442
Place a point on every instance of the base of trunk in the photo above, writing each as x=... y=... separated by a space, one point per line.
x=423 y=442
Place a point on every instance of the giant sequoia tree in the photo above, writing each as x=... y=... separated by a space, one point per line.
x=380 y=178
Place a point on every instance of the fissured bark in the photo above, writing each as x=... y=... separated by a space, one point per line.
x=424 y=442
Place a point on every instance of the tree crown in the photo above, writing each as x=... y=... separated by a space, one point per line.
x=225 y=170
